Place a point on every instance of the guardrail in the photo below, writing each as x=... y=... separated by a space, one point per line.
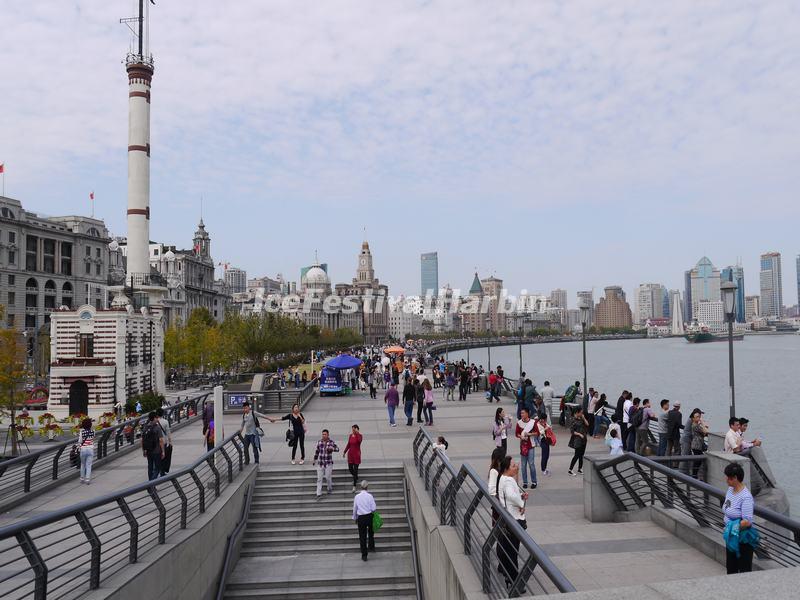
x=635 y=481
x=232 y=545
x=463 y=501
x=65 y=553
x=271 y=400
x=31 y=474
x=454 y=345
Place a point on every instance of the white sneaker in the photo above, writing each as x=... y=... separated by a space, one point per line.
x=393 y=425
x=302 y=461
x=293 y=462
x=571 y=473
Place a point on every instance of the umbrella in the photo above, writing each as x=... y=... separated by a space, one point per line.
x=394 y=350
x=344 y=361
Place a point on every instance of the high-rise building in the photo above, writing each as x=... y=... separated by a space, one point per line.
x=429 y=273
x=704 y=284
x=736 y=275
x=558 y=298
x=492 y=289
x=798 y=281
x=687 y=296
x=588 y=297
x=236 y=279
x=771 y=285
x=649 y=302
x=667 y=304
x=711 y=313
x=613 y=311
x=752 y=308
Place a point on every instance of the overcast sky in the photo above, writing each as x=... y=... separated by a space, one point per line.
x=573 y=145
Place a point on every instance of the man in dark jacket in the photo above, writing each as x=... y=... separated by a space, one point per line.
x=420 y=393
x=409 y=396
x=674 y=426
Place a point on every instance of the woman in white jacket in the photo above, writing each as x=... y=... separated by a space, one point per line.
x=512 y=498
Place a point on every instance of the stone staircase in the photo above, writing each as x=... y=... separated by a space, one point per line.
x=296 y=546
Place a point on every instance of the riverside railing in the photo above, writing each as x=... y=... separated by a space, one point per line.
x=494 y=541
x=65 y=553
x=635 y=482
x=31 y=474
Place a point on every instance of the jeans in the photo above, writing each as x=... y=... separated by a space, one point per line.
x=428 y=412
x=599 y=420
x=545 y=446
x=408 y=409
x=420 y=406
x=299 y=440
x=641 y=440
x=364 y=531
x=528 y=463
x=251 y=439
x=449 y=392
x=391 y=408
x=662 y=444
x=463 y=390
x=87 y=457
x=324 y=472
x=153 y=465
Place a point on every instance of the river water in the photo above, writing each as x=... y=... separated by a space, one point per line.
x=697 y=374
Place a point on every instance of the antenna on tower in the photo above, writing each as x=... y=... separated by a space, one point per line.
x=140 y=28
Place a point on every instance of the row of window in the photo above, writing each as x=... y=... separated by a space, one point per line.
x=43 y=258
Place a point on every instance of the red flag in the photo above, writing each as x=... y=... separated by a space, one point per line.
x=2 y=167
x=91 y=195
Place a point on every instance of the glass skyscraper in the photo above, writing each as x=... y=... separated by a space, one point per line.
x=736 y=275
x=429 y=273
x=798 y=281
x=771 y=285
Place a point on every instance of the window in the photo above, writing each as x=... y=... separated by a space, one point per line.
x=12 y=298
x=97 y=252
x=10 y=320
x=31 y=245
x=88 y=252
x=86 y=345
x=88 y=268
x=98 y=269
x=12 y=257
x=93 y=232
x=30 y=321
x=49 y=261
x=12 y=237
x=6 y=213
x=66 y=258
x=11 y=280
x=66 y=295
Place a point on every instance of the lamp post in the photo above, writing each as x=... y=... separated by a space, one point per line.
x=583 y=305
x=728 y=289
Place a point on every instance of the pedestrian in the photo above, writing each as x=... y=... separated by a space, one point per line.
x=698 y=443
x=500 y=429
x=323 y=459
x=577 y=440
x=475 y=378
x=249 y=433
x=513 y=500
x=733 y=441
x=371 y=380
x=630 y=440
x=463 y=383
x=548 y=396
x=138 y=407
x=364 y=508
x=352 y=451
x=613 y=427
x=547 y=438
x=428 y=408
x=298 y=426
x=525 y=432
x=391 y=399
x=167 y=431
x=153 y=445
x=615 y=443
x=600 y=417
x=450 y=384
x=85 y=446
x=623 y=406
x=740 y=536
x=661 y=427
x=519 y=395
x=210 y=436
x=208 y=415
x=529 y=398
x=591 y=407
x=493 y=393
x=494 y=474
x=746 y=444
x=643 y=426
x=674 y=426
x=441 y=445
x=419 y=394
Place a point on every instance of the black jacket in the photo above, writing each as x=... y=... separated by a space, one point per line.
x=674 y=425
x=408 y=393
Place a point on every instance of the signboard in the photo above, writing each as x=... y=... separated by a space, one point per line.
x=235 y=401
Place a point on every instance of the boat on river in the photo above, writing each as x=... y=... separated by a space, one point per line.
x=698 y=333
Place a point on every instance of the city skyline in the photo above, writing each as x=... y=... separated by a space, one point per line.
x=477 y=128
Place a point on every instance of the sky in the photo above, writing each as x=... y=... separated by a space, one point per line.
x=564 y=145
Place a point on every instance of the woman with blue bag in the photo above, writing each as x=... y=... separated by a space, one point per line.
x=741 y=537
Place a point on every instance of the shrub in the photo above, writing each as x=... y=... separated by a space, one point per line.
x=149 y=400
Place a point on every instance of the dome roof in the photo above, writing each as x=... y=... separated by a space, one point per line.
x=316 y=276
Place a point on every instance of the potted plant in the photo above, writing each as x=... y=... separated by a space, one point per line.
x=51 y=430
x=23 y=431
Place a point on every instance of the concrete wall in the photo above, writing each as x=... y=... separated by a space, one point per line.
x=188 y=565
x=447 y=573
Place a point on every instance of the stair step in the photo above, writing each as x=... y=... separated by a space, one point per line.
x=365 y=581
x=334 y=547
x=334 y=528
x=327 y=591
x=317 y=521
x=319 y=537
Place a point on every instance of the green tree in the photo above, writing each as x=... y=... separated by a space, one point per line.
x=13 y=375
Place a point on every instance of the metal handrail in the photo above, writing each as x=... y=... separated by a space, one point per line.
x=467 y=474
x=30 y=474
x=70 y=550
x=414 y=552
x=233 y=539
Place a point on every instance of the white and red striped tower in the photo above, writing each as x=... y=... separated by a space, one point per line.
x=139 y=65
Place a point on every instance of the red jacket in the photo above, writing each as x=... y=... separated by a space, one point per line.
x=492 y=379
x=353 y=449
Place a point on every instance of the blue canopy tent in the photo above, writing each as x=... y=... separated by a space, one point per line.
x=333 y=368
x=343 y=361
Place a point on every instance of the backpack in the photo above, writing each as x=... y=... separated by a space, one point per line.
x=570 y=394
x=150 y=437
x=637 y=417
x=521 y=392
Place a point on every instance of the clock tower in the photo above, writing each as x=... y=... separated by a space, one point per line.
x=365 y=273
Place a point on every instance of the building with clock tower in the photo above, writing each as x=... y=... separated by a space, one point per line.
x=372 y=296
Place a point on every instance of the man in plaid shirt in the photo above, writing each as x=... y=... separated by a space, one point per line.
x=323 y=459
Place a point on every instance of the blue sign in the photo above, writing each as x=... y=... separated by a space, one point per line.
x=236 y=400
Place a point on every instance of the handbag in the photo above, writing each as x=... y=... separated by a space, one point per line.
x=377 y=521
x=73 y=455
x=290 y=435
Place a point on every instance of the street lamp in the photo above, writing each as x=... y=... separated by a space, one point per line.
x=728 y=289
x=584 y=307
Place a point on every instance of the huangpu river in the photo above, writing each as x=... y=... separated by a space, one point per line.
x=766 y=367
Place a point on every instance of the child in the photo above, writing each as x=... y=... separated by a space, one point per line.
x=441 y=445
x=615 y=443
x=613 y=427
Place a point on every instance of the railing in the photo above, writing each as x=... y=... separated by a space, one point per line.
x=231 y=547
x=65 y=553
x=463 y=501
x=31 y=474
x=282 y=399
x=414 y=551
x=454 y=345
x=635 y=481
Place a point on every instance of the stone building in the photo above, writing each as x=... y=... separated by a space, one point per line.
x=48 y=262
x=613 y=311
x=372 y=298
